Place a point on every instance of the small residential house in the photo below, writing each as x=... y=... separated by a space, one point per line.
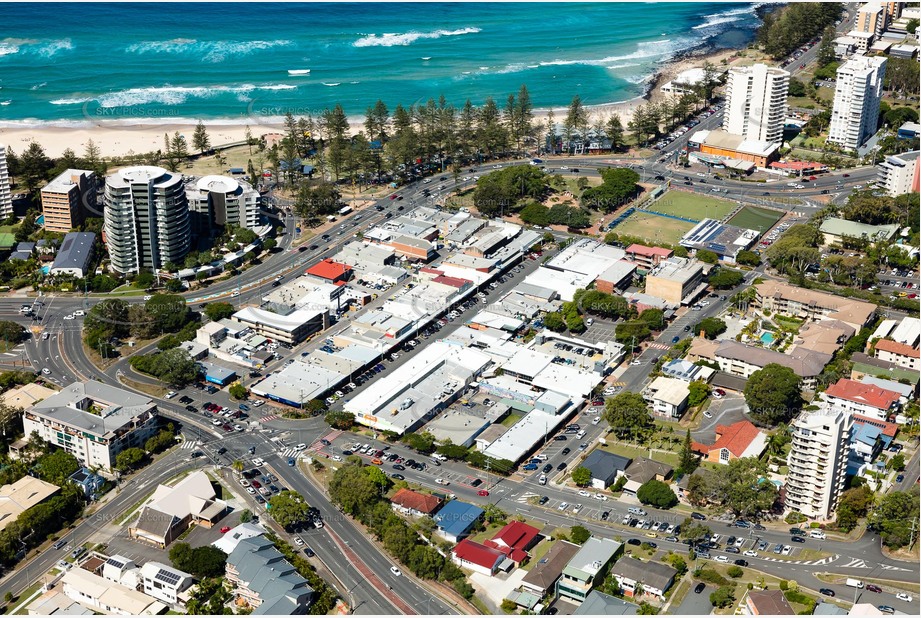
x=414 y=503
x=514 y=540
x=172 y=510
x=637 y=577
x=601 y=604
x=542 y=577
x=456 y=518
x=766 y=603
x=165 y=583
x=734 y=441
x=641 y=470
x=477 y=557
x=605 y=467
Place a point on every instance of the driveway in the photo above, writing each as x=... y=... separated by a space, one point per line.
x=726 y=411
x=694 y=604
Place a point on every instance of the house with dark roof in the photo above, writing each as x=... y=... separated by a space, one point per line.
x=605 y=467
x=75 y=255
x=641 y=470
x=414 y=503
x=477 y=557
x=172 y=510
x=544 y=574
x=514 y=540
x=456 y=518
x=734 y=441
x=638 y=577
x=766 y=603
x=264 y=580
x=601 y=604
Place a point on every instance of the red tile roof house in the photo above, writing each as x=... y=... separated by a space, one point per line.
x=898 y=353
x=860 y=398
x=734 y=441
x=330 y=270
x=415 y=503
x=477 y=557
x=514 y=540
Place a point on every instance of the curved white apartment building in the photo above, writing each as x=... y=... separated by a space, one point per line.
x=146 y=218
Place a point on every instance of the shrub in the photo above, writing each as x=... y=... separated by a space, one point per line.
x=711 y=577
x=734 y=571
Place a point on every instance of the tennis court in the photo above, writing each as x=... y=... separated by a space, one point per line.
x=754 y=218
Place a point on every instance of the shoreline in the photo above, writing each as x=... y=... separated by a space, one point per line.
x=119 y=138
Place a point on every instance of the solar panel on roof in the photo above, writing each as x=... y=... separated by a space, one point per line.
x=116 y=563
x=167 y=576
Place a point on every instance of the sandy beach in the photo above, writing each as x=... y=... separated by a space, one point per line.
x=118 y=138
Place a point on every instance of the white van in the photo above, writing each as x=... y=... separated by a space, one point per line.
x=581 y=434
x=854 y=583
x=635 y=510
x=543 y=479
x=542 y=457
x=817 y=534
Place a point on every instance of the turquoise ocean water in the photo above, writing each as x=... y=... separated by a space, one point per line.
x=79 y=64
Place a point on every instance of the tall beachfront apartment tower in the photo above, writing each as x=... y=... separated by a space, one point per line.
x=146 y=218
x=855 y=110
x=67 y=199
x=756 y=102
x=6 y=198
x=217 y=201
x=818 y=462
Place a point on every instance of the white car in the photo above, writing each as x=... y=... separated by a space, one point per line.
x=258 y=403
x=259 y=461
x=238 y=427
x=786 y=550
x=601 y=497
x=596 y=420
x=171 y=394
x=298 y=540
x=584 y=493
x=563 y=506
x=148 y=297
x=337 y=458
x=396 y=571
x=244 y=483
x=300 y=447
x=79 y=313
x=576 y=508
x=635 y=362
x=904 y=596
x=442 y=482
x=69 y=316
x=707 y=414
x=217 y=422
x=46 y=371
x=751 y=553
x=250 y=490
x=721 y=559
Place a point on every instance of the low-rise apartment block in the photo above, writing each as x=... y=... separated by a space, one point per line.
x=637 y=577
x=676 y=280
x=804 y=304
x=93 y=421
x=667 y=396
x=900 y=173
x=862 y=398
x=647 y=258
x=587 y=568
x=265 y=581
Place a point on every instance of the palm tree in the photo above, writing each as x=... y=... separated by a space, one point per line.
x=778 y=440
x=238 y=465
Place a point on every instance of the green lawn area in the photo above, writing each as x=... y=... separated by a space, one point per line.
x=537 y=553
x=754 y=218
x=626 y=450
x=654 y=228
x=510 y=419
x=692 y=206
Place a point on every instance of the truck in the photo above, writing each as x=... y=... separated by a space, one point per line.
x=345 y=210
x=853 y=583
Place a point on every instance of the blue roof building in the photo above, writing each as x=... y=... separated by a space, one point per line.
x=217 y=374
x=456 y=518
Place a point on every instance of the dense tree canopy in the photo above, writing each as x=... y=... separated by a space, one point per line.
x=773 y=394
x=502 y=190
x=627 y=414
x=619 y=186
x=656 y=493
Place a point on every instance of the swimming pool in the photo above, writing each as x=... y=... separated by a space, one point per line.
x=767 y=338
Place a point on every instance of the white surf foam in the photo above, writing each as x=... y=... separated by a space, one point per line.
x=391 y=39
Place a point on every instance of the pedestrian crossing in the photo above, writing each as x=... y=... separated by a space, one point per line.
x=187 y=444
x=266 y=419
x=820 y=562
x=856 y=563
x=655 y=345
x=620 y=383
x=289 y=452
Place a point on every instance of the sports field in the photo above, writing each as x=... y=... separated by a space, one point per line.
x=654 y=228
x=754 y=218
x=692 y=205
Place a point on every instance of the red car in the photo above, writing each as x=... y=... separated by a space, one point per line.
x=483 y=493
x=598 y=402
x=394 y=196
x=225 y=529
x=256 y=484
